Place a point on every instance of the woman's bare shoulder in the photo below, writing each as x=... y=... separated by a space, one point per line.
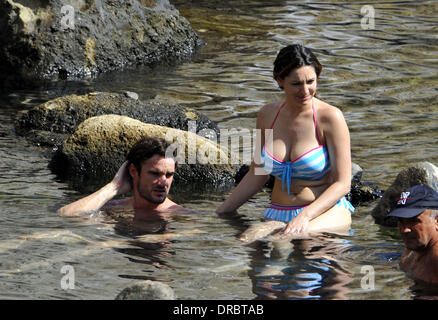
x=267 y=113
x=328 y=113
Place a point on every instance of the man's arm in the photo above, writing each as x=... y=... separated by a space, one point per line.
x=119 y=185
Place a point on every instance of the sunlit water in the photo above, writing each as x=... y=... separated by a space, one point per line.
x=385 y=81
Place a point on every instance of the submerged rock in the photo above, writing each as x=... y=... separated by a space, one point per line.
x=420 y=173
x=361 y=192
x=98 y=147
x=48 y=124
x=54 y=39
x=261 y=230
x=147 y=290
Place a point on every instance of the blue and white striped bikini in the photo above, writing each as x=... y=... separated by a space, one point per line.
x=312 y=165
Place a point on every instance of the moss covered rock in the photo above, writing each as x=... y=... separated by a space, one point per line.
x=147 y=290
x=48 y=124
x=98 y=147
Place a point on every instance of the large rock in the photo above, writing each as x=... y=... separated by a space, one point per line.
x=51 y=39
x=50 y=123
x=98 y=147
x=147 y=290
x=420 y=173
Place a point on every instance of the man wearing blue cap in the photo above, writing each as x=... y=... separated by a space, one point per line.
x=417 y=213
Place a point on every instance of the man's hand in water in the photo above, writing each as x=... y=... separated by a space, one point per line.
x=121 y=180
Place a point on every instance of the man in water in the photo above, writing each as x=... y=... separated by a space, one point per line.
x=147 y=172
x=417 y=213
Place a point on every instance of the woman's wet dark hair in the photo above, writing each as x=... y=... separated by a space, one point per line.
x=144 y=149
x=292 y=57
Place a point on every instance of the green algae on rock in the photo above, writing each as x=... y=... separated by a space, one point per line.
x=48 y=124
x=98 y=147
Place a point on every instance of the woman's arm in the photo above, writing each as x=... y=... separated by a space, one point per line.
x=255 y=178
x=249 y=186
x=119 y=185
x=337 y=139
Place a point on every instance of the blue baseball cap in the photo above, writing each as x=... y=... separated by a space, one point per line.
x=414 y=201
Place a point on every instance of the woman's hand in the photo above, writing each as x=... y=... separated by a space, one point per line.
x=121 y=180
x=298 y=224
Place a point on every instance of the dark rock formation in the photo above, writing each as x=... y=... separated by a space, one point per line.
x=361 y=192
x=55 y=39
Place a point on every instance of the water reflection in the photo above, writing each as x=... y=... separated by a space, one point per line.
x=148 y=236
x=301 y=269
x=138 y=222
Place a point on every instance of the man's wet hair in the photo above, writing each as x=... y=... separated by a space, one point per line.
x=145 y=149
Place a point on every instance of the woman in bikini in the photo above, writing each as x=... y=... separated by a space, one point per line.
x=307 y=150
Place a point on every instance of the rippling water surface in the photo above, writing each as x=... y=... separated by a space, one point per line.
x=385 y=81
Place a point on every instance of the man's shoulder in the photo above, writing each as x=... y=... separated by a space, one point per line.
x=408 y=257
x=173 y=206
x=433 y=257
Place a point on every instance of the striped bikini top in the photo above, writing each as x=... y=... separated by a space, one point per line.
x=312 y=165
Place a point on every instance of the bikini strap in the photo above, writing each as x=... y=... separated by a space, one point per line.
x=276 y=116
x=315 y=124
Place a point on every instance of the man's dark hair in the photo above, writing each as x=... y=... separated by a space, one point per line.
x=144 y=149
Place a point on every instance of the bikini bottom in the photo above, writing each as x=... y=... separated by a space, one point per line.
x=287 y=213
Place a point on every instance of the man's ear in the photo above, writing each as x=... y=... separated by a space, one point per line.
x=133 y=171
x=435 y=221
